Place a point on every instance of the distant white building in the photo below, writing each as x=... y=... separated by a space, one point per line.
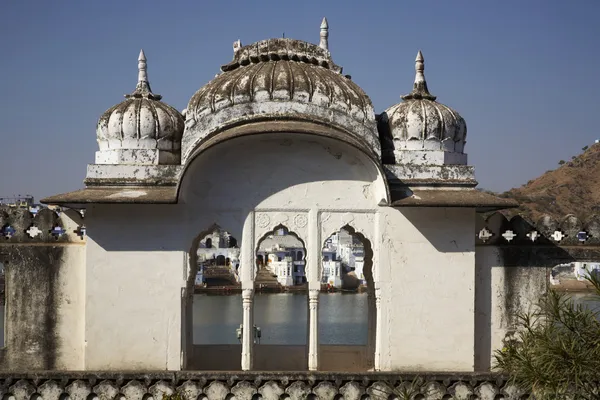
x=583 y=270
x=342 y=254
x=217 y=249
x=284 y=256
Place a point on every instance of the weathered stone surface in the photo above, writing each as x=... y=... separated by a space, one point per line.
x=298 y=390
x=244 y=390
x=141 y=130
x=106 y=390
x=216 y=390
x=421 y=130
x=320 y=385
x=271 y=390
x=284 y=79
x=190 y=389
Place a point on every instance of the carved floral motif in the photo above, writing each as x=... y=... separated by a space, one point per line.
x=263 y=220
x=300 y=220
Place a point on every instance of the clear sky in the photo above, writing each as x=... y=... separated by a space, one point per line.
x=523 y=73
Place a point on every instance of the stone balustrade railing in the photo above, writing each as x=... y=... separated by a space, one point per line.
x=253 y=385
x=570 y=231
x=18 y=225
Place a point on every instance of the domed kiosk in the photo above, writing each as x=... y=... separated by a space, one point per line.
x=280 y=139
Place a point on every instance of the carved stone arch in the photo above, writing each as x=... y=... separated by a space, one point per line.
x=368 y=258
x=191 y=261
x=274 y=229
x=358 y=223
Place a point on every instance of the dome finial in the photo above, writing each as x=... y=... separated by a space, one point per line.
x=324 y=43
x=143 y=86
x=420 y=90
x=142 y=74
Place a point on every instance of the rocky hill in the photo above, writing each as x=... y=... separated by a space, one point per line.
x=572 y=188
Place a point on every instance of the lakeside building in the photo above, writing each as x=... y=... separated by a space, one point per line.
x=217 y=250
x=283 y=254
x=441 y=282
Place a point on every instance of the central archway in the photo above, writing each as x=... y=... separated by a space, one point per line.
x=280 y=302
x=347 y=310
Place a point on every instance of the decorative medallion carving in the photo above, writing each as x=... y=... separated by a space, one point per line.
x=300 y=220
x=263 y=220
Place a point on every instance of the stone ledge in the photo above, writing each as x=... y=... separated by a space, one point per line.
x=138 y=175
x=245 y=385
x=411 y=174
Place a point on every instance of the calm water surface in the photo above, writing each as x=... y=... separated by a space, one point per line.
x=282 y=318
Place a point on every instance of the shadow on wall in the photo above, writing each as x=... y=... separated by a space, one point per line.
x=510 y=277
x=283 y=170
x=449 y=230
x=287 y=169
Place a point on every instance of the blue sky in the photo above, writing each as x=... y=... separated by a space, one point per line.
x=524 y=74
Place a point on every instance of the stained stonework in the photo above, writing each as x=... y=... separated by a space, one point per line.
x=284 y=79
x=271 y=386
x=44 y=262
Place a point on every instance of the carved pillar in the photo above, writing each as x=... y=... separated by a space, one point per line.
x=248 y=329
x=314 y=286
x=378 y=333
x=313 y=330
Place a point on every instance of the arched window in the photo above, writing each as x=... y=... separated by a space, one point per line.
x=347 y=310
x=212 y=342
x=280 y=304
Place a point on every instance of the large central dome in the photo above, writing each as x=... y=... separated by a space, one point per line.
x=279 y=80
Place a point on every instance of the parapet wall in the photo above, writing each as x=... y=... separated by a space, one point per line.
x=271 y=386
x=496 y=229
x=514 y=259
x=44 y=262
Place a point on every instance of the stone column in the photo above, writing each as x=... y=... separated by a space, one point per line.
x=314 y=286
x=378 y=332
x=248 y=329
x=313 y=330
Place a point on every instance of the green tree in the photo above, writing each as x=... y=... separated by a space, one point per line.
x=561 y=162
x=555 y=351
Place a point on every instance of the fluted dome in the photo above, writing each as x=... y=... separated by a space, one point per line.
x=140 y=130
x=283 y=80
x=421 y=123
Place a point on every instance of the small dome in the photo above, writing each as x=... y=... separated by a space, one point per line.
x=282 y=79
x=141 y=122
x=421 y=123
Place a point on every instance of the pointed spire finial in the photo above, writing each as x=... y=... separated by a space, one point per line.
x=237 y=45
x=324 y=43
x=142 y=71
x=420 y=90
x=142 y=89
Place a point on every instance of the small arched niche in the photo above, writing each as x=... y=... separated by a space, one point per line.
x=280 y=302
x=347 y=303
x=216 y=305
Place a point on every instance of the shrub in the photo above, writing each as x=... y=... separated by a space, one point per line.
x=556 y=349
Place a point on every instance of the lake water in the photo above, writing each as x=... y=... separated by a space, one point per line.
x=282 y=318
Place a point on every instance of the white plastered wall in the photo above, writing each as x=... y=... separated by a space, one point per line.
x=138 y=267
x=71 y=298
x=134 y=275
x=503 y=290
x=427 y=265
